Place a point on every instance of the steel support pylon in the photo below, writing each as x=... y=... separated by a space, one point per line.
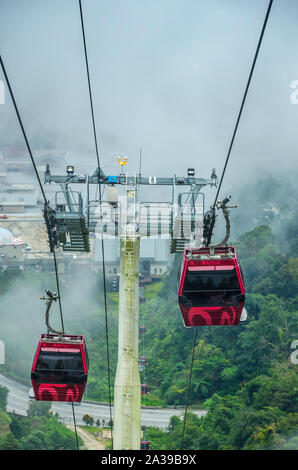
x=127 y=388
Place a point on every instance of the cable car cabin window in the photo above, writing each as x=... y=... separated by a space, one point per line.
x=207 y=288
x=59 y=368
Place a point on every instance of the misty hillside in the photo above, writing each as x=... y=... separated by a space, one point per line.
x=243 y=374
x=269 y=198
x=154 y=98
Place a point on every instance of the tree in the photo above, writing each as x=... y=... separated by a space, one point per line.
x=35 y=441
x=39 y=408
x=251 y=242
x=253 y=428
x=3 y=397
x=279 y=389
x=191 y=432
x=10 y=442
x=88 y=420
x=19 y=426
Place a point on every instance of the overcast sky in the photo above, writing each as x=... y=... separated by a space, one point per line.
x=167 y=76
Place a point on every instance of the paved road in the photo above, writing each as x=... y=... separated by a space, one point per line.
x=90 y=442
x=18 y=401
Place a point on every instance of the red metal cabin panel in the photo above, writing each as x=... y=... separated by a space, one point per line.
x=144 y=389
x=145 y=445
x=211 y=289
x=60 y=368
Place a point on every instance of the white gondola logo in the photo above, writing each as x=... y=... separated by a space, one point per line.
x=2 y=93
x=2 y=353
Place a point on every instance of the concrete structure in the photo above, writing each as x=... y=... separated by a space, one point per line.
x=12 y=251
x=16 y=256
x=3 y=179
x=127 y=387
x=17 y=159
x=11 y=256
x=14 y=198
x=17 y=179
x=12 y=207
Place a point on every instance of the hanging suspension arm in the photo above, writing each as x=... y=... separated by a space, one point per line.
x=49 y=300
x=209 y=222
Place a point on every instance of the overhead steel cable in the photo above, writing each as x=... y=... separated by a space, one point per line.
x=89 y=84
x=46 y=202
x=189 y=385
x=220 y=184
x=36 y=173
x=102 y=241
x=75 y=426
x=22 y=127
x=244 y=99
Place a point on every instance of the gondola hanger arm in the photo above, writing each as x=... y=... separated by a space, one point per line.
x=222 y=205
x=51 y=297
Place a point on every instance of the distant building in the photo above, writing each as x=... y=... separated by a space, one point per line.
x=15 y=198
x=11 y=256
x=3 y=179
x=16 y=159
x=19 y=189
x=154 y=258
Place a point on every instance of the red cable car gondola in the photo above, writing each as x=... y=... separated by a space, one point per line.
x=211 y=289
x=142 y=330
x=60 y=368
x=145 y=445
x=144 y=389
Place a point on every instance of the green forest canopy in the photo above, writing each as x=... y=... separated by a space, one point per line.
x=243 y=375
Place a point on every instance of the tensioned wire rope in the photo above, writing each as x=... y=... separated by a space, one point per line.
x=45 y=200
x=36 y=173
x=243 y=99
x=100 y=195
x=219 y=187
